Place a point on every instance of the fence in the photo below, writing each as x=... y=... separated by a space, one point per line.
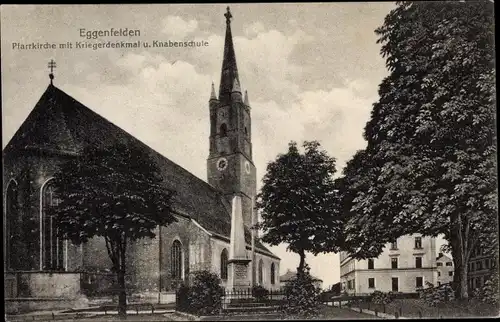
x=237 y=300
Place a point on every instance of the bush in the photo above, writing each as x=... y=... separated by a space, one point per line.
x=182 y=300
x=379 y=297
x=433 y=296
x=489 y=292
x=205 y=294
x=302 y=296
x=260 y=293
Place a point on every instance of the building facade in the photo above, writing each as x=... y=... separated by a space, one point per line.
x=445 y=269
x=481 y=266
x=403 y=266
x=38 y=264
x=289 y=275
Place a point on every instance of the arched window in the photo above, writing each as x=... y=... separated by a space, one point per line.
x=176 y=260
x=223 y=264
x=246 y=131
x=12 y=216
x=272 y=273
x=52 y=246
x=260 y=271
x=223 y=130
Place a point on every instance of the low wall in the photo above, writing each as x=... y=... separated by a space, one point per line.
x=23 y=305
x=27 y=284
x=35 y=290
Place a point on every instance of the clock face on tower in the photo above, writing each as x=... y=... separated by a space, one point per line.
x=222 y=164
x=247 y=167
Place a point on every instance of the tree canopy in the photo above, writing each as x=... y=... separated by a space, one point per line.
x=115 y=193
x=297 y=201
x=430 y=163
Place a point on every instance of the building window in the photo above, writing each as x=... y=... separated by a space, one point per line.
x=354 y=285
x=472 y=267
x=349 y=285
x=12 y=233
x=52 y=246
x=176 y=260
x=450 y=273
x=260 y=271
x=371 y=282
x=449 y=264
x=419 y=281
x=394 y=245
x=439 y=273
x=418 y=242
x=439 y=264
x=486 y=263
x=394 y=262
x=479 y=265
x=370 y=263
x=395 y=284
x=223 y=130
x=418 y=262
x=439 y=283
x=272 y=274
x=223 y=264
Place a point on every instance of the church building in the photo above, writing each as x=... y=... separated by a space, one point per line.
x=214 y=217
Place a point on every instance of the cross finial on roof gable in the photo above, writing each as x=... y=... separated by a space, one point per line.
x=52 y=65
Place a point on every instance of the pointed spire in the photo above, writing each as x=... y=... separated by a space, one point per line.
x=229 y=69
x=212 y=94
x=245 y=101
x=236 y=86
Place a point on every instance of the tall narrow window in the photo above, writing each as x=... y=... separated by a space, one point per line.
x=53 y=247
x=370 y=263
x=272 y=273
x=419 y=281
x=395 y=284
x=12 y=216
x=223 y=130
x=260 y=271
x=418 y=262
x=418 y=242
x=394 y=245
x=394 y=262
x=371 y=282
x=223 y=264
x=176 y=260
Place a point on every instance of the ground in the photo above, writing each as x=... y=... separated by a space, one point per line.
x=328 y=313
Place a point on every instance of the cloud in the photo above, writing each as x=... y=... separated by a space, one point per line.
x=254 y=29
x=178 y=28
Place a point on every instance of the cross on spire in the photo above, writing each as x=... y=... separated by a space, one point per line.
x=228 y=16
x=52 y=65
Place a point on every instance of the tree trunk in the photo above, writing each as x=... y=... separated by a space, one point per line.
x=122 y=295
x=302 y=255
x=463 y=282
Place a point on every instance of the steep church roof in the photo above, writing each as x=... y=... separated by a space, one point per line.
x=59 y=124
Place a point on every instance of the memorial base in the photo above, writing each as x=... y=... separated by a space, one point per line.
x=238 y=278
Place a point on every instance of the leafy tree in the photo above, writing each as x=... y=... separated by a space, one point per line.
x=115 y=193
x=430 y=163
x=296 y=201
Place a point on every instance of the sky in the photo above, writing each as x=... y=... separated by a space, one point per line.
x=311 y=71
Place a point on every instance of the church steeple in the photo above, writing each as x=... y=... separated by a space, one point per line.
x=229 y=69
x=230 y=167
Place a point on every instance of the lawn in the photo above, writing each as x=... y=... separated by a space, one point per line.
x=415 y=308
